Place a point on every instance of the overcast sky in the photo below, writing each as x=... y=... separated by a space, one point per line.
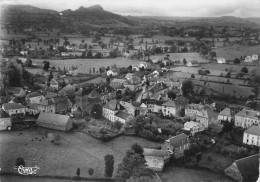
x=191 y=8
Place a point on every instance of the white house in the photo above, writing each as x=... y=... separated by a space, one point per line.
x=225 y=115
x=221 y=60
x=193 y=63
x=156 y=159
x=248 y=59
x=14 y=108
x=252 y=136
x=110 y=72
x=170 y=108
x=254 y=57
x=142 y=65
x=246 y=118
x=110 y=109
x=193 y=127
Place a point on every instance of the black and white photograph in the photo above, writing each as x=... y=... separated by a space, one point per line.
x=130 y=90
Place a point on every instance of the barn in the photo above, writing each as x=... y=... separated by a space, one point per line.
x=54 y=121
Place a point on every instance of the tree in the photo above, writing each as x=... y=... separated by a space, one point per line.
x=171 y=95
x=28 y=62
x=133 y=165
x=192 y=75
x=118 y=125
x=89 y=54
x=236 y=61
x=109 y=165
x=137 y=148
x=98 y=55
x=46 y=65
x=184 y=61
x=20 y=162
x=212 y=54
x=90 y=171
x=228 y=75
x=198 y=157
x=96 y=111
x=187 y=88
x=244 y=70
x=50 y=77
x=78 y=172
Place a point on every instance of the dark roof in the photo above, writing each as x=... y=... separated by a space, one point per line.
x=8 y=106
x=93 y=94
x=112 y=105
x=69 y=89
x=13 y=90
x=154 y=152
x=249 y=114
x=83 y=91
x=54 y=119
x=136 y=104
x=254 y=130
x=179 y=140
x=51 y=95
x=46 y=102
x=226 y=112
x=249 y=167
x=170 y=104
x=123 y=115
x=32 y=105
x=59 y=99
x=34 y=94
x=94 y=100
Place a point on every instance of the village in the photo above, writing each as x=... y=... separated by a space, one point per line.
x=152 y=103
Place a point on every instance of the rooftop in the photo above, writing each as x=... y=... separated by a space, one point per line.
x=226 y=112
x=9 y=106
x=123 y=115
x=249 y=114
x=154 y=152
x=254 y=130
x=179 y=140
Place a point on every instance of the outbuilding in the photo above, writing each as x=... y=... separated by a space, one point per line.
x=54 y=121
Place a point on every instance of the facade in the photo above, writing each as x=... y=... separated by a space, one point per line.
x=156 y=159
x=246 y=118
x=225 y=115
x=46 y=105
x=207 y=117
x=54 y=121
x=14 y=109
x=32 y=109
x=192 y=109
x=252 y=136
x=110 y=109
x=177 y=145
x=170 y=108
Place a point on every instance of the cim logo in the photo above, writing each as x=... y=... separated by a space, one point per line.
x=26 y=170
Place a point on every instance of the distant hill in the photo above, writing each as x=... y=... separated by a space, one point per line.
x=96 y=15
x=215 y=21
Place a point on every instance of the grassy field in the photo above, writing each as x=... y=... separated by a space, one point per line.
x=181 y=56
x=236 y=51
x=76 y=150
x=177 y=174
x=84 y=64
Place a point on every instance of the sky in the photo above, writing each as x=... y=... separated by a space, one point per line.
x=186 y=8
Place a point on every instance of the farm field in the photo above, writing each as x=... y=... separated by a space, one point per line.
x=177 y=174
x=236 y=51
x=76 y=150
x=84 y=64
x=229 y=67
x=180 y=56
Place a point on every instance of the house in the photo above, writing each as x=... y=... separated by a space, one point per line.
x=107 y=92
x=68 y=90
x=129 y=76
x=254 y=57
x=15 y=91
x=142 y=65
x=153 y=106
x=246 y=118
x=134 y=84
x=192 y=109
x=156 y=159
x=122 y=116
x=245 y=169
x=177 y=145
x=34 y=97
x=14 y=109
x=221 y=60
x=132 y=108
x=46 y=105
x=110 y=109
x=225 y=115
x=248 y=59
x=54 y=84
x=143 y=109
x=54 y=121
x=170 y=108
x=117 y=84
x=207 y=117
x=61 y=104
x=111 y=73
x=135 y=68
x=192 y=63
x=193 y=127
x=50 y=95
x=32 y=109
x=252 y=136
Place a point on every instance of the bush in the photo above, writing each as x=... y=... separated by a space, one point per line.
x=20 y=162
x=118 y=125
x=91 y=171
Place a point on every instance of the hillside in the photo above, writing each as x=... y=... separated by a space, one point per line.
x=96 y=15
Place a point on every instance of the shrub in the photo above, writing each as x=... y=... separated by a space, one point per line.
x=90 y=171
x=20 y=162
x=109 y=165
x=118 y=125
